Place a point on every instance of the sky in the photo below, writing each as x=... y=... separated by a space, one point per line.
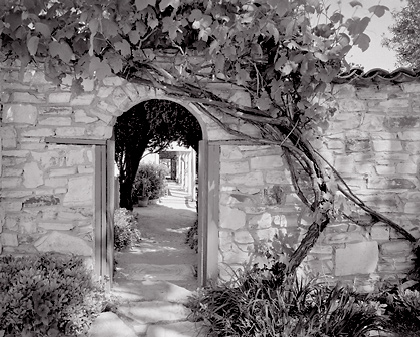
x=376 y=56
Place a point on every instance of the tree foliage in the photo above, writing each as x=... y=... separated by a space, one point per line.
x=405 y=38
x=284 y=53
x=151 y=125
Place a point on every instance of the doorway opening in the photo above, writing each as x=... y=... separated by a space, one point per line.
x=159 y=135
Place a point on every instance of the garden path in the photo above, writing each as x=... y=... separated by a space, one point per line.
x=154 y=279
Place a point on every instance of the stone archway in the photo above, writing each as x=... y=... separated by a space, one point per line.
x=126 y=95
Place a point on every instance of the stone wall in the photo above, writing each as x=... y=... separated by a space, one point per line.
x=373 y=140
x=47 y=192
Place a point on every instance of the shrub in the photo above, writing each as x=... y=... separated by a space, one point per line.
x=402 y=307
x=263 y=302
x=126 y=234
x=192 y=236
x=47 y=295
x=149 y=181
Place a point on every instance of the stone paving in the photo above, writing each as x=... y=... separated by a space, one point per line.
x=154 y=280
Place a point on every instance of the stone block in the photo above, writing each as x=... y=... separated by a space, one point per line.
x=387 y=145
x=99 y=131
x=402 y=122
x=27 y=227
x=81 y=117
x=20 y=114
x=70 y=131
x=59 y=97
x=55 y=110
x=391 y=184
x=371 y=93
x=40 y=201
x=276 y=177
x=385 y=169
x=356 y=258
x=8 y=137
x=251 y=179
x=234 y=167
x=33 y=176
x=408 y=167
x=412 y=207
x=107 y=107
x=266 y=162
x=56 y=226
x=243 y=237
x=8 y=238
x=265 y=235
x=56 y=182
x=105 y=92
x=230 y=152
x=348 y=105
x=55 y=121
x=102 y=115
x=261 y=221
x=232 y=218
x=120 y=99
x=113 y=81
x=28 y=97
x=379 y=232
x=343 y=90
x=357 y=145
x=396 y=247
x=39 y=132
x=11 y=183
x=82 y=99
x=61 y=242
x=75 y=157
x=80 y=192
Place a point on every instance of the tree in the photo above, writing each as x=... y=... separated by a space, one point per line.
x=283 y=52
x=152 y=125
x=405 y=38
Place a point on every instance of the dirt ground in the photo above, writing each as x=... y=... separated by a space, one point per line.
x=162 y=254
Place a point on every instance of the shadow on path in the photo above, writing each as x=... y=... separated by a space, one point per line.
x=162 y=254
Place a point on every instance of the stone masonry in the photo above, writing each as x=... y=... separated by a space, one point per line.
x=47 y=198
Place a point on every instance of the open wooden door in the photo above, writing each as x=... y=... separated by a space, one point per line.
x=208 y=211
x=104 y=211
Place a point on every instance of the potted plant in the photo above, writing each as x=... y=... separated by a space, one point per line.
x=141 y=191
x=149 y=182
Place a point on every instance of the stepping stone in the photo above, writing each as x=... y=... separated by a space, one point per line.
x=108 y=324
x=149 y=290
x=168 y=272
x=180 y=329
x=154 y=312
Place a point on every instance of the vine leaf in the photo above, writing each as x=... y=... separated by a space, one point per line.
x=99 y=69
x=142 y=4
x=33 y=45
x=363 y=42
x=378 y=10
x=43 y=29
x=124 y=47
x=62 y=50
x=170 y=26
x=355 y=3
x=166 y=3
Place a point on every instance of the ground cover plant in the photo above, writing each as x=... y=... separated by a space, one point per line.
x=48 y=295
x=264 y=301
x=126 y=232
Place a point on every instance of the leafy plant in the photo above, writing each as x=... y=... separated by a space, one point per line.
x=262 y=301
x=47 y=295
x=402 y=307
x=149 y=180
x=126 y=233
x=192 y=236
